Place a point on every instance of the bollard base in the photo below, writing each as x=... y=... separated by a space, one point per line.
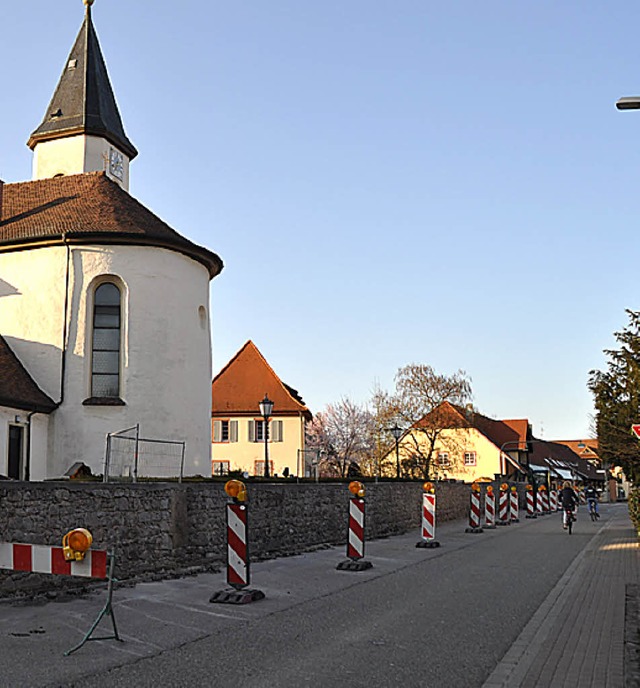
x=503 y=523
x=233 y=596
x=515 y=520
x=531 y=516
x=489 y=527
x=473 y=530
x=427 y=544
x=354 y=565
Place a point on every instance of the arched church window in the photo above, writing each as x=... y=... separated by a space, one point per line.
x=105 y=349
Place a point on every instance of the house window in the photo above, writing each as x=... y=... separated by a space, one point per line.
x=225 y=430
x=443 y=458
x=105 y=346
x=256 y=431
x=470 y=458
x=258 y=467
x=220 y=467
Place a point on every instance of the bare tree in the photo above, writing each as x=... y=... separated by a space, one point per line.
x=419 y=404
x=343 y=432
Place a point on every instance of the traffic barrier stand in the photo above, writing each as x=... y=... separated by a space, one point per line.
x=490 y=509
x=553 y=501
x=474 y=510
x=74 y=558
x=531 y=512
x=503 y=508
x=355 y=535
x=428 y=517
x=513 y=501
x=539 y=502
x=545 y=500
x=238 y=569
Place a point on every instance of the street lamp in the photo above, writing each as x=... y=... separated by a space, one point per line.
x=266 y=407
x=628 y=103
x=396 y=431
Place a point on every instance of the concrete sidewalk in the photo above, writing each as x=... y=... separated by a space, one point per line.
x=586 y=633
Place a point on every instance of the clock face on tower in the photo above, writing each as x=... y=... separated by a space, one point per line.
x=116 y=163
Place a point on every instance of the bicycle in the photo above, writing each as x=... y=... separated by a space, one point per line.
x=592 y=510
x=569 y=518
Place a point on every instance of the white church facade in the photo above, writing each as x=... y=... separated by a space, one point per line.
x=104 y=308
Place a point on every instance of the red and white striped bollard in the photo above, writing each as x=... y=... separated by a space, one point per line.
x=490 y=508
x=531 y=511
x=474 y=510
x=238 y=569
x=503 y=513
x=355 y=535
x=428 y=517
x=514 y=504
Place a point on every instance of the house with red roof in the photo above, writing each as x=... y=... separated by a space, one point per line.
x=467 y=445
x=238 y=428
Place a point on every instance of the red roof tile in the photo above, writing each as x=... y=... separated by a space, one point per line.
x=240 y=386
x=17 y=387
x=87 y=208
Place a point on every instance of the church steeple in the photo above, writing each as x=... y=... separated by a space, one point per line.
x=82 y=130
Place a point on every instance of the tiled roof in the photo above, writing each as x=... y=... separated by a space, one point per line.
x=17 y=387
x=510 y=434
x=87 y=208
x=542 y=451
x=587 y=449
x=83 y=102
x=240 y=386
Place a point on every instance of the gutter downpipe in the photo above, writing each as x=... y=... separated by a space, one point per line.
x=63 y=362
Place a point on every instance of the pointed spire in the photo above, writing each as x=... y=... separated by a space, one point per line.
x=83 y=102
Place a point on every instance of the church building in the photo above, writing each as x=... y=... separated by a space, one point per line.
x=104 y=308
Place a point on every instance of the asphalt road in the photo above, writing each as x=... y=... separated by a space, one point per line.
x=440 y=617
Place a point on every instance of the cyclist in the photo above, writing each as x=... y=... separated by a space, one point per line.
x=591 y=495
x=568 y=500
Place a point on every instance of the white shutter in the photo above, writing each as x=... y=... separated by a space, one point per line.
x=252 y=431
x=217 y=431
x=276 y=431
x=233 y=431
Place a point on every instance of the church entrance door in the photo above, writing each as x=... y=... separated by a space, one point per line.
x=16 y=441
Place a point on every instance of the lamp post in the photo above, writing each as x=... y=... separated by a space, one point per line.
x=396 y=431
x=266 y=408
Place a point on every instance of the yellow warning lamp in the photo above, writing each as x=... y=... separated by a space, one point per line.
x=236 y=489
x=428 y=487
x=514 y=489
x=543 y=488
x=76 y=543
x=475 y=487
x=489 y=489
x=504 y=487
x=529 y=487
x=357 y=488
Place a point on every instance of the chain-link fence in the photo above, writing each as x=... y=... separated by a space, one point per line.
x=130 y=457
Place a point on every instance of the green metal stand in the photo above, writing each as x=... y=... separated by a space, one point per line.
x=107 y=610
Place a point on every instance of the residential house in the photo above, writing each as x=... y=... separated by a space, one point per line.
x=468 y=445
x=104 y=308
x=237 y=428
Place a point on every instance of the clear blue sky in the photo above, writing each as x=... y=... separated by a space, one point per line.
x=387 y=182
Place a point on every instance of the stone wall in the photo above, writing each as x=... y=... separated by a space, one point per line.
x=164 y=529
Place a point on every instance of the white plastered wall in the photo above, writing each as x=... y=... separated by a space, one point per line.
x=166 y=347
x=76 y=155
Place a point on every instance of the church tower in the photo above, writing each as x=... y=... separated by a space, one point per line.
x=82 y=130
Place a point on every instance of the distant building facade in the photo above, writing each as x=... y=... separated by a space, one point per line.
x=237 y=428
